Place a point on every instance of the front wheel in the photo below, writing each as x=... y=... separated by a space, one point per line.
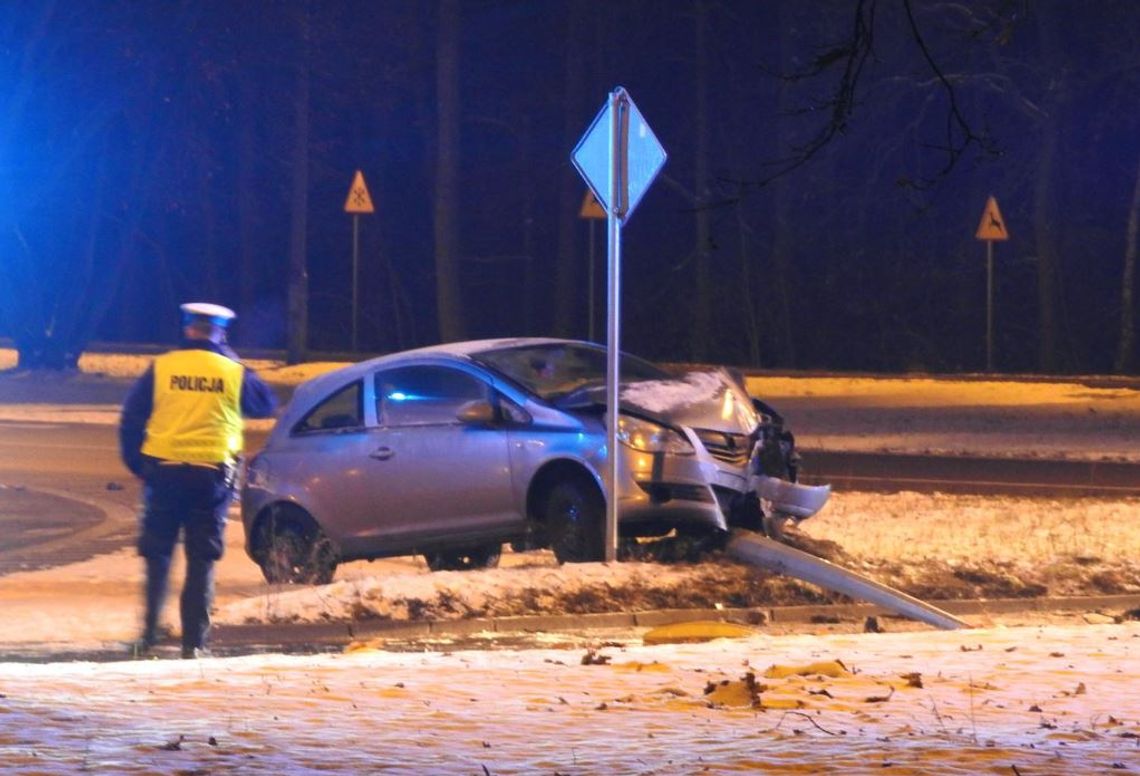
x=294 y=551
x=486 y=557
x=574 y=516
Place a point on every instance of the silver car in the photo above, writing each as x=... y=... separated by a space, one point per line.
x=450 y=451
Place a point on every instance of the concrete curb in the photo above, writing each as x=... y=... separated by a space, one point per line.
x=333 y=634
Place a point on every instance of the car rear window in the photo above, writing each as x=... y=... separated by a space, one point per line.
x=340 y=410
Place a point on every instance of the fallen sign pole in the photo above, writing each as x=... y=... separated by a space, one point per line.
x=618 y=165
x=761 y=551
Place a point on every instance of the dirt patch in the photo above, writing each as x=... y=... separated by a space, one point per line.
x=719 y=581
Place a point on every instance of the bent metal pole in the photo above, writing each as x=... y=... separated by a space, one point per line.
x=764 y=552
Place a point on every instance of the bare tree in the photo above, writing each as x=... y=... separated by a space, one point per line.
x=703 y=303
x=448 y=299
x=1125 y=353
x=570 y=188
x=298 y=304
x=73 y=224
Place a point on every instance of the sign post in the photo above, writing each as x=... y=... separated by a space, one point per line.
x=990 y=229
x=618 y=157
x=357 y=202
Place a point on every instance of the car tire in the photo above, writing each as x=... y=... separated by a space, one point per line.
x=574 y=517
x=293 y=550
x=486 y=557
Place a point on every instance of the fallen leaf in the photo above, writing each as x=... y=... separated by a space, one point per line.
x=173 y=746
x=832 y=668
x=592 y=658
x=743 y=692
x=880 y=698
x=1098 y=618
x=697 y=631
x=639 y=667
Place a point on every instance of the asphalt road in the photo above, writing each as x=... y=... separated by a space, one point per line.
x=971 y=474
x=64 y=496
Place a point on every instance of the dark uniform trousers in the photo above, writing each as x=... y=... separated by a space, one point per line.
x=191 y=499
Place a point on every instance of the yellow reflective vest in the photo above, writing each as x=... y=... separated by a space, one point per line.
x=196 y=415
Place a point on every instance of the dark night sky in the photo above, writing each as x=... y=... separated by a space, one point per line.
x=148 y=157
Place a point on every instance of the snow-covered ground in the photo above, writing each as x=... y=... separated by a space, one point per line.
x=1035 y=699
x=1018 y=700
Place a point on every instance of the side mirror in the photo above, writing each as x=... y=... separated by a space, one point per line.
x=477 y=412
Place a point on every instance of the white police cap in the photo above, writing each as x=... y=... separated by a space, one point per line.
x=208 y=312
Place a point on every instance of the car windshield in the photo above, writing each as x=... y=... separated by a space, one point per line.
x=554 y=370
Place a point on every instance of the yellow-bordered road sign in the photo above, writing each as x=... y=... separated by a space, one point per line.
x=358 y=200
x=992 y=226
x=590 y=207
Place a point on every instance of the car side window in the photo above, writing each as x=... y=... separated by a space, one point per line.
x=422 y=395
x=342 y=410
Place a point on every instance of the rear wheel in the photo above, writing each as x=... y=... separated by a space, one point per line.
x=293 y=550
x=574 y=516
x=486 y=557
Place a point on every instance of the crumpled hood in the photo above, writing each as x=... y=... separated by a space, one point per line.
x=709 y=399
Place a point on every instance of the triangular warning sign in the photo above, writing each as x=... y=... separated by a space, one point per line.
x=590 y=207
x=992 y=226
x=358 y=200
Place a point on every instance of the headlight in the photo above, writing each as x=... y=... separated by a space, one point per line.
x=651 y=437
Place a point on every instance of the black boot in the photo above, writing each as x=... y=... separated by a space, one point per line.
x=197 y=597
x=157 y=574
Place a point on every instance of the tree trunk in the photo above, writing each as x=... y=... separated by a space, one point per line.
x=1047 y=256
x=776 y=298
x=567 y=294
x=1125 y=358
x=529 y=292
x=703 y=302
x=247 y=196
x=447 y=282
x=1046 y=249
x=298 y=323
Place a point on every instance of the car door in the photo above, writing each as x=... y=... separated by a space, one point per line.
x=428 y=474
x=323 y=459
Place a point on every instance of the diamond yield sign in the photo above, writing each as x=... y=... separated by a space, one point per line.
x=358 y=200
x=635 y=153
x=992 y=225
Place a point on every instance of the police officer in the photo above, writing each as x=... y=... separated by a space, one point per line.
x=181 y=433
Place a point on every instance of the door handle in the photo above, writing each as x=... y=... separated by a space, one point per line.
x=382 y=453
